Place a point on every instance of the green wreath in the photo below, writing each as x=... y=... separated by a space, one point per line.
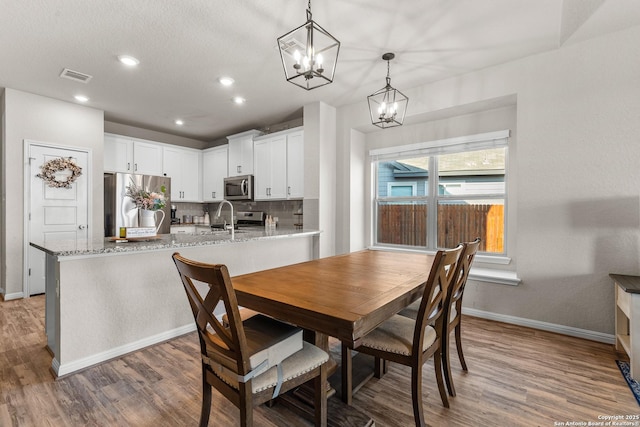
x=50 y=168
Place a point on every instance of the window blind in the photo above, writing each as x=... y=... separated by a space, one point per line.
x=480 y=141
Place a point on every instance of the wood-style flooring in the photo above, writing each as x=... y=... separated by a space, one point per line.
x=517 y=377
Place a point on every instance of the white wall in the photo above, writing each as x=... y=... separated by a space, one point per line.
x=575 y=164
x=42 y=119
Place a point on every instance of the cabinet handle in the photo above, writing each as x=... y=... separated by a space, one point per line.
x=289 y=191
x=135 y=167
x=213 y=194
x=239 y=169
x=128 y=166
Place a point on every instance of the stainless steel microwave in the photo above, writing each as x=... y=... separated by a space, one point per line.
x=238 y=187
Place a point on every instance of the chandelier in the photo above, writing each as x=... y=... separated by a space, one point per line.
x=309 y=54
x=387 y=106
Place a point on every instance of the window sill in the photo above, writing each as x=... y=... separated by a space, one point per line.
x=489 y=275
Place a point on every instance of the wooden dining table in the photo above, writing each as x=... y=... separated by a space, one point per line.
x=344 y=296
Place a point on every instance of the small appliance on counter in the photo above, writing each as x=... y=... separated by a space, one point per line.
x=174 y=218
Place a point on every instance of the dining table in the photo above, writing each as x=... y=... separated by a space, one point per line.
x=344 y=296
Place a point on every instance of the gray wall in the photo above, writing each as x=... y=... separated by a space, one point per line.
x=575 y=216
x=42 y=119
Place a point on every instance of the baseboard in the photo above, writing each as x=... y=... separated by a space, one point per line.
x=61 y=370
x=544 y=326
x=16 y=295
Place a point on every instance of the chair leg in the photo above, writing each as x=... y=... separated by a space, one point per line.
x=416 y=395
x=381 y=367
x=320 y=401
x=206 y=400
x=437 y=361
x=448 y=379
x=347 y=379
x=459 y=347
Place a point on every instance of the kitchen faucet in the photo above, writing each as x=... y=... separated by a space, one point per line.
x=220 y=210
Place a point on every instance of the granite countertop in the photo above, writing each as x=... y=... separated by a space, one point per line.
x=106 y=246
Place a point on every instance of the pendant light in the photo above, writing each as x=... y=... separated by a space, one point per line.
x=388 y=105
x=309 y=54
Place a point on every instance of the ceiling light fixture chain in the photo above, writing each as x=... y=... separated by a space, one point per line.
x=388 y=105
x=309 y=54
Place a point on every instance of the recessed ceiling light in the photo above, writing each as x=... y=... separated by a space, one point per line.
x=81 y=98
x=238 y=100
x=226 y=81
x=128 y=60
x=179 y=122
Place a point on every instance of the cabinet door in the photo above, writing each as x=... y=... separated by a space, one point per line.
x=172 y=168
x=118 y=154
x=241 y=156
x=295 y=165
x=190 y=170
x=183 y=167
x=262 y=169
x=147 y=158
x=278 y=187
x=214 y=171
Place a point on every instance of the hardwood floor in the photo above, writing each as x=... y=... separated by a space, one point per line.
x=517 y=377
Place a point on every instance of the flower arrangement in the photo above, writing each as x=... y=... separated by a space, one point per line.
x=144 y=199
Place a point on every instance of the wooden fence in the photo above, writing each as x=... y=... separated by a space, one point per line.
x=406 y=224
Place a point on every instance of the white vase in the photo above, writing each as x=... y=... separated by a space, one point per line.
x=148 y=218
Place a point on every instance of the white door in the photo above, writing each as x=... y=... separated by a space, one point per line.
x=54 y=213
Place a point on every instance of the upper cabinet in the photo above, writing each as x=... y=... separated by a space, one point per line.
x=241 y=153
x=214 y=171
x=182 y=165
x=129 y=155
x=279 y=166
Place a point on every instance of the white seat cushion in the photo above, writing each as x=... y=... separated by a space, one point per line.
x=299 y=363
x=396 y=336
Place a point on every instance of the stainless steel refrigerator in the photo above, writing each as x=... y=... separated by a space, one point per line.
x=120 y=211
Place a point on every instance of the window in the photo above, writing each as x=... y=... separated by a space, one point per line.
x=436 y=195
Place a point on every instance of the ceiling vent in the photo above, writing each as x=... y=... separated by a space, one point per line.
x=75 y=75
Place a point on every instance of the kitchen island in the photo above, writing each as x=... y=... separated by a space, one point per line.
x=105 y=298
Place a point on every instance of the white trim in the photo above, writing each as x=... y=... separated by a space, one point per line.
x=15 y=295
x=76 y=365
x=543 y=326
x=502 y=277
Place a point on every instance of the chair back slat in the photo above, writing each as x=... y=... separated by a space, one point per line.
x=464 y=266
x=432 y=306
x=225 y=345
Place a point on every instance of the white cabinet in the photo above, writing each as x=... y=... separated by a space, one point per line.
x=182 y=165
x=214 y=171
x=279 y=166
x=295 y=165
x=241 y=153
x=270 y=168
x=129 y=155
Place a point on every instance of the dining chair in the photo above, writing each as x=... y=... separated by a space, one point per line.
x=225 y=350
x=453 y=311
x=411 y=342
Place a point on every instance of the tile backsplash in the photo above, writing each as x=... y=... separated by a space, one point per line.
x=287 y=211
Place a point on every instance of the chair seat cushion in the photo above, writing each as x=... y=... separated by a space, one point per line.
x=396 y=336
x=299 y=363
x=412 y=310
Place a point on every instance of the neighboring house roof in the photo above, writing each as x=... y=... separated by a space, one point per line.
x=403 y=170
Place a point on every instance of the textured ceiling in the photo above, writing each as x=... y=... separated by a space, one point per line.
x=184 y=46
